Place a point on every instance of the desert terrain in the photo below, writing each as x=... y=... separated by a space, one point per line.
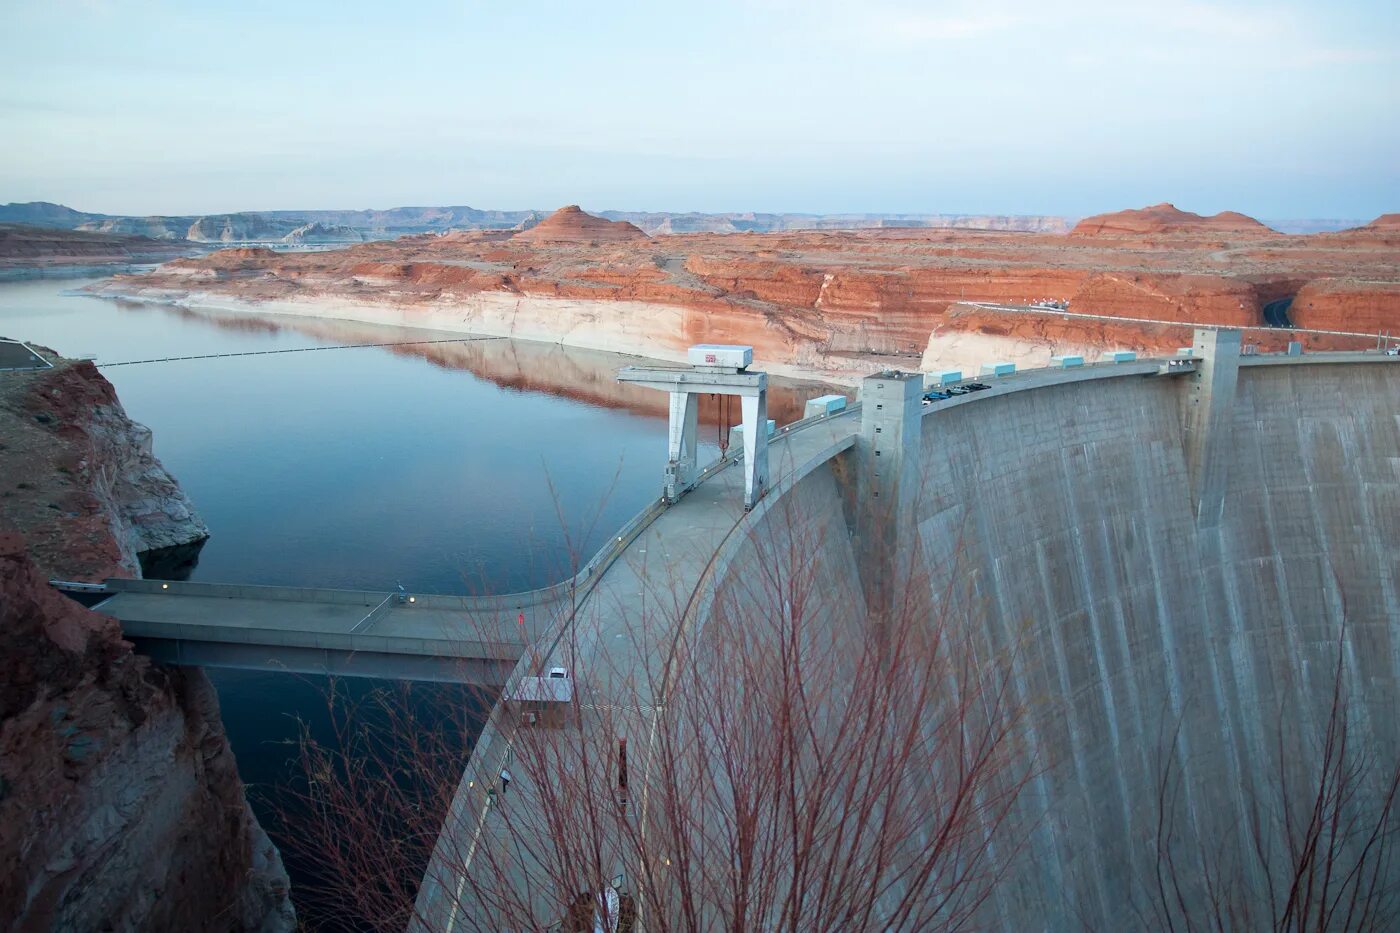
x=834 y=304
x=25 y=248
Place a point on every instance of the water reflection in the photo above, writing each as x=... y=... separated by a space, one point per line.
x=461 y=467
x=177 y=562
x=582 y=375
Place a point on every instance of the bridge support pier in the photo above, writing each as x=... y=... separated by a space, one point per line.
x=1206 y=422
x=887 y=456
x=684 y=428
x=755 y=412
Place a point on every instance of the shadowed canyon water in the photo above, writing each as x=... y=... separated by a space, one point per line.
x=462 y=467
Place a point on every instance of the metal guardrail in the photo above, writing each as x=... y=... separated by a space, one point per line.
x=76 y=586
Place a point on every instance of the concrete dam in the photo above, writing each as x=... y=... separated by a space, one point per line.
x=1172 y=564
x=1147 y=603
x=1173 y=560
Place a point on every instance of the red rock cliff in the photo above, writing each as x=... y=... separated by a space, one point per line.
x=120 y=802
x=80 y=478
x=1168 y=218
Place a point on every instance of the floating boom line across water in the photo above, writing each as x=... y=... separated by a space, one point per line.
x=342 y=346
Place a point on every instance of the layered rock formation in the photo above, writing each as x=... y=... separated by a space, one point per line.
x=158 y=228
x=1383 y=231
x=829 y=304
x=81 y=480
x=120 y=802
x=399 y=221
x=661 y=222
x=317 y=232
x=571 y=225
x=1167 y=218
x=239 y=228
x=35 y=248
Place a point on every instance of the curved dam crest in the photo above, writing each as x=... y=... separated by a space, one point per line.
x=1172 y=592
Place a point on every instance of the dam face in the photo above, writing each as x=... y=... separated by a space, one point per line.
x=1174 y=664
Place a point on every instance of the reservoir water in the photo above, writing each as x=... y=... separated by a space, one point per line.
x=465 y=467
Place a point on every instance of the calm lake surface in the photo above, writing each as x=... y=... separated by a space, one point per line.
x=477 y=467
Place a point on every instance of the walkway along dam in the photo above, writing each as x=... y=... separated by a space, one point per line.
x=1170 y=557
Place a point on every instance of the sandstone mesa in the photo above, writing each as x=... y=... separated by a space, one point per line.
x=1167 y=218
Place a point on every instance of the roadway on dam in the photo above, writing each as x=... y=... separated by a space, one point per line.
x=1069 y=495
x=659 y=586
x=650 y=587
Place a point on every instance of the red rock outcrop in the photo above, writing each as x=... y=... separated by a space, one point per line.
x=1348 y=304
x=1167 y=218
x=829 y=303
x=573 y=224
x=120 y=804
x=80 y=478
x=1383 y=231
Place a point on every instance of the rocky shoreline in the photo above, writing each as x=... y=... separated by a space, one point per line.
x=120 y=801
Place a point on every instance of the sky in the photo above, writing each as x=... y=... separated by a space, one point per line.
x=1279 y=109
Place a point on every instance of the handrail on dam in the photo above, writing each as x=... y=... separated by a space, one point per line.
x=1047 y=376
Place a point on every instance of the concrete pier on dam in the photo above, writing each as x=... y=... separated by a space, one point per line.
x=1170 y=557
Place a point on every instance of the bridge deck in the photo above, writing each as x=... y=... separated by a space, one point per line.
x=365 y=633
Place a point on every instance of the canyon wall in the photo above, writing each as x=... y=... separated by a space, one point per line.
x=120 y=802
x=28 y=249
x=81 y=479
